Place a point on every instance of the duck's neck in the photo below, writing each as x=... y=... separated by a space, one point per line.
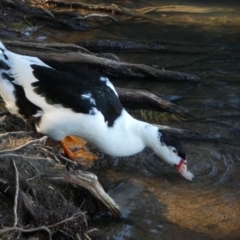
x=128 y=136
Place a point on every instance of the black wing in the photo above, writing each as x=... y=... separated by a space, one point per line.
x=68 y=86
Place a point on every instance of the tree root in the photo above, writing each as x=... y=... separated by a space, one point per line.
x=148 y=98
x=67 y=53
x=112 y=8
x=67 y=20
x=110 y=67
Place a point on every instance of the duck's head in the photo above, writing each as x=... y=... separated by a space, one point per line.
x=171 y=151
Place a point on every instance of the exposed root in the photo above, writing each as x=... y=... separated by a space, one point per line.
x=111 y=67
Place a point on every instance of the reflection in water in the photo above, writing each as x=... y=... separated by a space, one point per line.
x=157 y=203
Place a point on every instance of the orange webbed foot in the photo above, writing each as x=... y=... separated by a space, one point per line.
x=75 y=149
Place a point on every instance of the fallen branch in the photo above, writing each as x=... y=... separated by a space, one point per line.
x=90 y=182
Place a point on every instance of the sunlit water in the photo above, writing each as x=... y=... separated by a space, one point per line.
x=202 y=38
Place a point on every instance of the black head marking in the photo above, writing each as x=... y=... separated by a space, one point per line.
x=169 y=140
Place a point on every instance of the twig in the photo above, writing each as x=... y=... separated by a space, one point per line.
x=9 y=155
x=42 y=139
x=16 y=195
x=47 y=11
x=13 y=134
x=66 y=159
x=48 y=150
x=87 y=237
x=75 y=215
x=41 y=228
x=45 y=228
x=3 y=181
x=2 y=119
x=96 y=15
x=92 y=230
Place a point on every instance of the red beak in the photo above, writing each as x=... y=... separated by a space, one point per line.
x=182 y=169
x=178 y=167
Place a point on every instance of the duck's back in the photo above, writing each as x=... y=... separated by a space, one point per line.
x=35 y=84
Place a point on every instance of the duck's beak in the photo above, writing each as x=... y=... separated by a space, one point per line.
x=182 y=169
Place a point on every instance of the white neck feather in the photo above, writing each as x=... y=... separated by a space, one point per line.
x=128 y=136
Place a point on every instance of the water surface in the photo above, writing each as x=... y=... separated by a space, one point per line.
x=201 y=38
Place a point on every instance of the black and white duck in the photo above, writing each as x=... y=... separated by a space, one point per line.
x=65 y=101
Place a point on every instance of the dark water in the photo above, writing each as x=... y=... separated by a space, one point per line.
x=202 y=38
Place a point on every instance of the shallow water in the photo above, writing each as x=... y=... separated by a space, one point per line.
x=202 y=38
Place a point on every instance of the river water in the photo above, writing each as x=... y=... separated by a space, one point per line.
x=201 y=38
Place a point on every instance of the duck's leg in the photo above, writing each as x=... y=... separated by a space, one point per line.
x=75 y=149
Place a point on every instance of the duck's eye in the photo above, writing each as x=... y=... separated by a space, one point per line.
x=175 y=151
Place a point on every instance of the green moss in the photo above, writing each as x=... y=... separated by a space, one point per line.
x=159 y=117
x=17 y=25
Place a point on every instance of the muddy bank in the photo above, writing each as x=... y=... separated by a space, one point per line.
x=33 y=172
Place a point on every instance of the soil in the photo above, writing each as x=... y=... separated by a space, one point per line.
x=41 y=202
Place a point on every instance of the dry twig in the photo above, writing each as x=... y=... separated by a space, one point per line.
x=16 y=195
x=42 y=139
x=3 y=135
x=42 y=228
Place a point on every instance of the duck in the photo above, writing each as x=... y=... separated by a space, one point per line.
x=63 y=102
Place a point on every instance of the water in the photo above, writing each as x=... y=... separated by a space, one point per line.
x=201 y=38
